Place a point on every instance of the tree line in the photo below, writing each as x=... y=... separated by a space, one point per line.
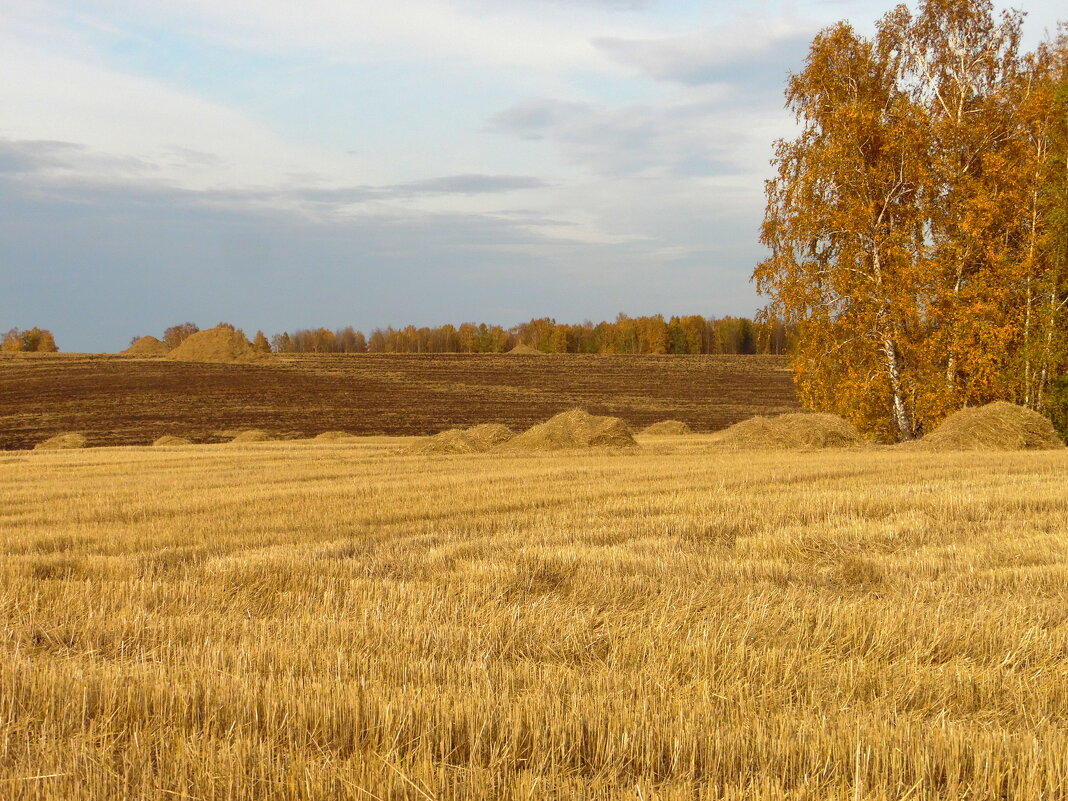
x=32 y=340
x=918 y=224
x=692 y=334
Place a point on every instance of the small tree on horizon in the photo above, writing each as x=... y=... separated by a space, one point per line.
x=177 y=334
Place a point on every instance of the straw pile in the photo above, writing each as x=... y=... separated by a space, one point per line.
x=790 y=432
x=168 y=439
x=998 y=426
x=221 y=345
x=146 y=347
x=573 y=429
x=667 y=428
x=62 y=442
x=252 y=435
x=525 y=350
x=476 y=439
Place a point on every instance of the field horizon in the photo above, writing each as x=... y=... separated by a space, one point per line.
x=126 y=401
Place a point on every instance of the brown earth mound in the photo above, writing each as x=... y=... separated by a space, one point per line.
x=254 y=435
x=998 y=426
x=525 y=350
x=790 y=431
x=667 y=428
x=477 y=439
x=217 y=345
x=146 y=346
x=62 y=442
x=334 y=436
x=573 y=429
x=167 y=439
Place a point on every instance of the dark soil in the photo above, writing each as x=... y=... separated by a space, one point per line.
x=123 y=401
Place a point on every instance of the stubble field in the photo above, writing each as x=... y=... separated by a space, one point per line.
x=346 y=620
x=122 y=401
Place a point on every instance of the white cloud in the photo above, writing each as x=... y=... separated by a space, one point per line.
x=175 y=134
x=548 y=35
x=745 y=53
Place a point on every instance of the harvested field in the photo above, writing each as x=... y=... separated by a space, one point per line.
x=252 y=435
x=301 y=621
x=121 y=401
x=334 y=436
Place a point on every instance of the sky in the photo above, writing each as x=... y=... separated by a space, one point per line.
x=281 y=165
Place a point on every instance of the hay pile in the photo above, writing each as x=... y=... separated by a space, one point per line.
x=525 y=350
x=573 y=429
x=62 y=442
x=333 y=436
x=220 y=345
x=146 y=346
x=998 y=426
x=168 y=439
x=667 y=428
x=790 y=432
x=477 y=439
x=252 y=435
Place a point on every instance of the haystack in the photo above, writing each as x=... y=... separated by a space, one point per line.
x=477 y=439
x=221 y=345
x=168 y=439
x=573 y=429
x=998 y=426
x=252 y=435
x=334 y=436
x=667 y=428
x=146 y=346
x=62 y=442
x=789 y=432
x=525 y=350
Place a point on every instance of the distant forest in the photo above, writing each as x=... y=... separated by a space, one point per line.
x=649 y=335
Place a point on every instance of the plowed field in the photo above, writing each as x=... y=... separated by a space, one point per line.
x=122 y=401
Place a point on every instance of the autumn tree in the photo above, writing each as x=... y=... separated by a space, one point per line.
x=177 y=334
x=903 y=224
x=32 y=340
x=282 y=343
x=1049 y=340
x=260 y=342
x=841 y=224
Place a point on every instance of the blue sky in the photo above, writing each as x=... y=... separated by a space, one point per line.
x=283 y=165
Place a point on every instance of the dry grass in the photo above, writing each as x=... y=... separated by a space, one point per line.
x=63 y=442
x=334 y=436
x=220 y=345
x=476 y=439
x=998 y=426
x=147 y=346
x=801 y=430
x=667 y=428
x=573 y=429
x=252 y=435
x=336 y=620
x=168 y=440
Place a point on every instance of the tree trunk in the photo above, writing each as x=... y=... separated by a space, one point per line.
x=899 y=411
